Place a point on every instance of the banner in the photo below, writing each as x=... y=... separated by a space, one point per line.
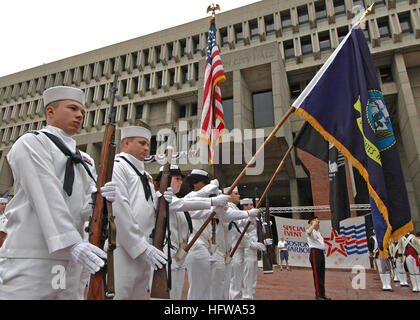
x=342 y=250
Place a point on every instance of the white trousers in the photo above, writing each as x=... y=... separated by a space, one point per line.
x=236 y=283
x=220 y=279
x=199 y=271
x=40 y=279
x=412 y=267
x=177 y=280
x=132 y=276
x=250 y=273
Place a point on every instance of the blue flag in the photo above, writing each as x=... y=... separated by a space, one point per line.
x=344 y=103
x=5 y=195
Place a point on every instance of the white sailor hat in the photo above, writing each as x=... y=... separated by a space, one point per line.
x=4 y=200
x=199 y=172
x=173 y=167
x=246 y=201
x=63 y=93
x=135 y=131
x=227 y=188
x=197 y=175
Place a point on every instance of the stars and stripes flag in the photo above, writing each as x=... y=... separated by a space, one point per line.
x=212 y=97
x=344 y=103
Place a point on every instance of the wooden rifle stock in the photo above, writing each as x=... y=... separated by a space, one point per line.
x=160 y=288
x=236 y=182
x=99 y=230
x=262 y=197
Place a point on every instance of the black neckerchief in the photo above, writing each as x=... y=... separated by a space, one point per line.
x=73 y=158
x=143 y=178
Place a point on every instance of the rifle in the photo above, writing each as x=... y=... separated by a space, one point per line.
x=267 y=232
x=101 y=224
x=270 y=183
x=267 y=264
x=161 y=281
x=183 y=253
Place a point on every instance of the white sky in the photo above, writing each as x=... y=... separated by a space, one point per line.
x=43 y=31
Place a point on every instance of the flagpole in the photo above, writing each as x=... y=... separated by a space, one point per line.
x=280 y=166
x=240 y=176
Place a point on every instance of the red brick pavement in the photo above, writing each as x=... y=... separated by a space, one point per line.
x=298 y=285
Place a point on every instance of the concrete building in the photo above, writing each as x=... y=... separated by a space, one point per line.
x=270 y=51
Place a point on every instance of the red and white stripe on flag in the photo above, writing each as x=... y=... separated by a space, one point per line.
x=213 y=75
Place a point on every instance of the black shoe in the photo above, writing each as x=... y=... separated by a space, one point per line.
x=322 y=298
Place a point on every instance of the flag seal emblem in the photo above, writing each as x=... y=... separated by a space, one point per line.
x=379 y=120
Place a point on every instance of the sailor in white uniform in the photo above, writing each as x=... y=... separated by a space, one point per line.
x=52 y=199
x=181 y=225
x=411 y=249
x=134 y=211
x=202 y=257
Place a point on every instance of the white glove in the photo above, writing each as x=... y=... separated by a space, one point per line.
x=88 y=255
x=257 y=246
x=109 y=191
x=154 y=257
x=253 y=213
x=220 y=201
x=215 y=182
x=168 y=194
x=268 y=242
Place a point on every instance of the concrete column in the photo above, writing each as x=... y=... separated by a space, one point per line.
x=294 y=196
x=409 y=124
x=94 y=150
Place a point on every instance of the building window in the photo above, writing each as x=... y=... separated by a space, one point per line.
x=139 y=111
x=182 y=111
x=286 y=21
x=379 y=3
x=342 y=32
x=158 y=50
x=228 y=112
x=170 y=50
x=339 y=7
x=359 y=3
x=289 y=51
x=147 y=79
x=303 y=16
x=263 y=109
x=196 y=43
x=194 y=109
x=239 y=35
x=183 y=45
x=184 y=71
x=405 y=22
x=383 y=27
x=146 y=57
x=159 y=79
x=253 y=28
x=320 y=10
x=386 y=74
x=224 y=36
x=306 y=45
x=171 y=77
x=269 y=24
x=295 y=90
x=324 y=41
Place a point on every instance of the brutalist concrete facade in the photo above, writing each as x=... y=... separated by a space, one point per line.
x=272 y=46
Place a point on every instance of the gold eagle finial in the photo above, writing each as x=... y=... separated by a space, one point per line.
x=213 y=7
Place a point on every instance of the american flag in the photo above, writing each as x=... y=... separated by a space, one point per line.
x=213 y=75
